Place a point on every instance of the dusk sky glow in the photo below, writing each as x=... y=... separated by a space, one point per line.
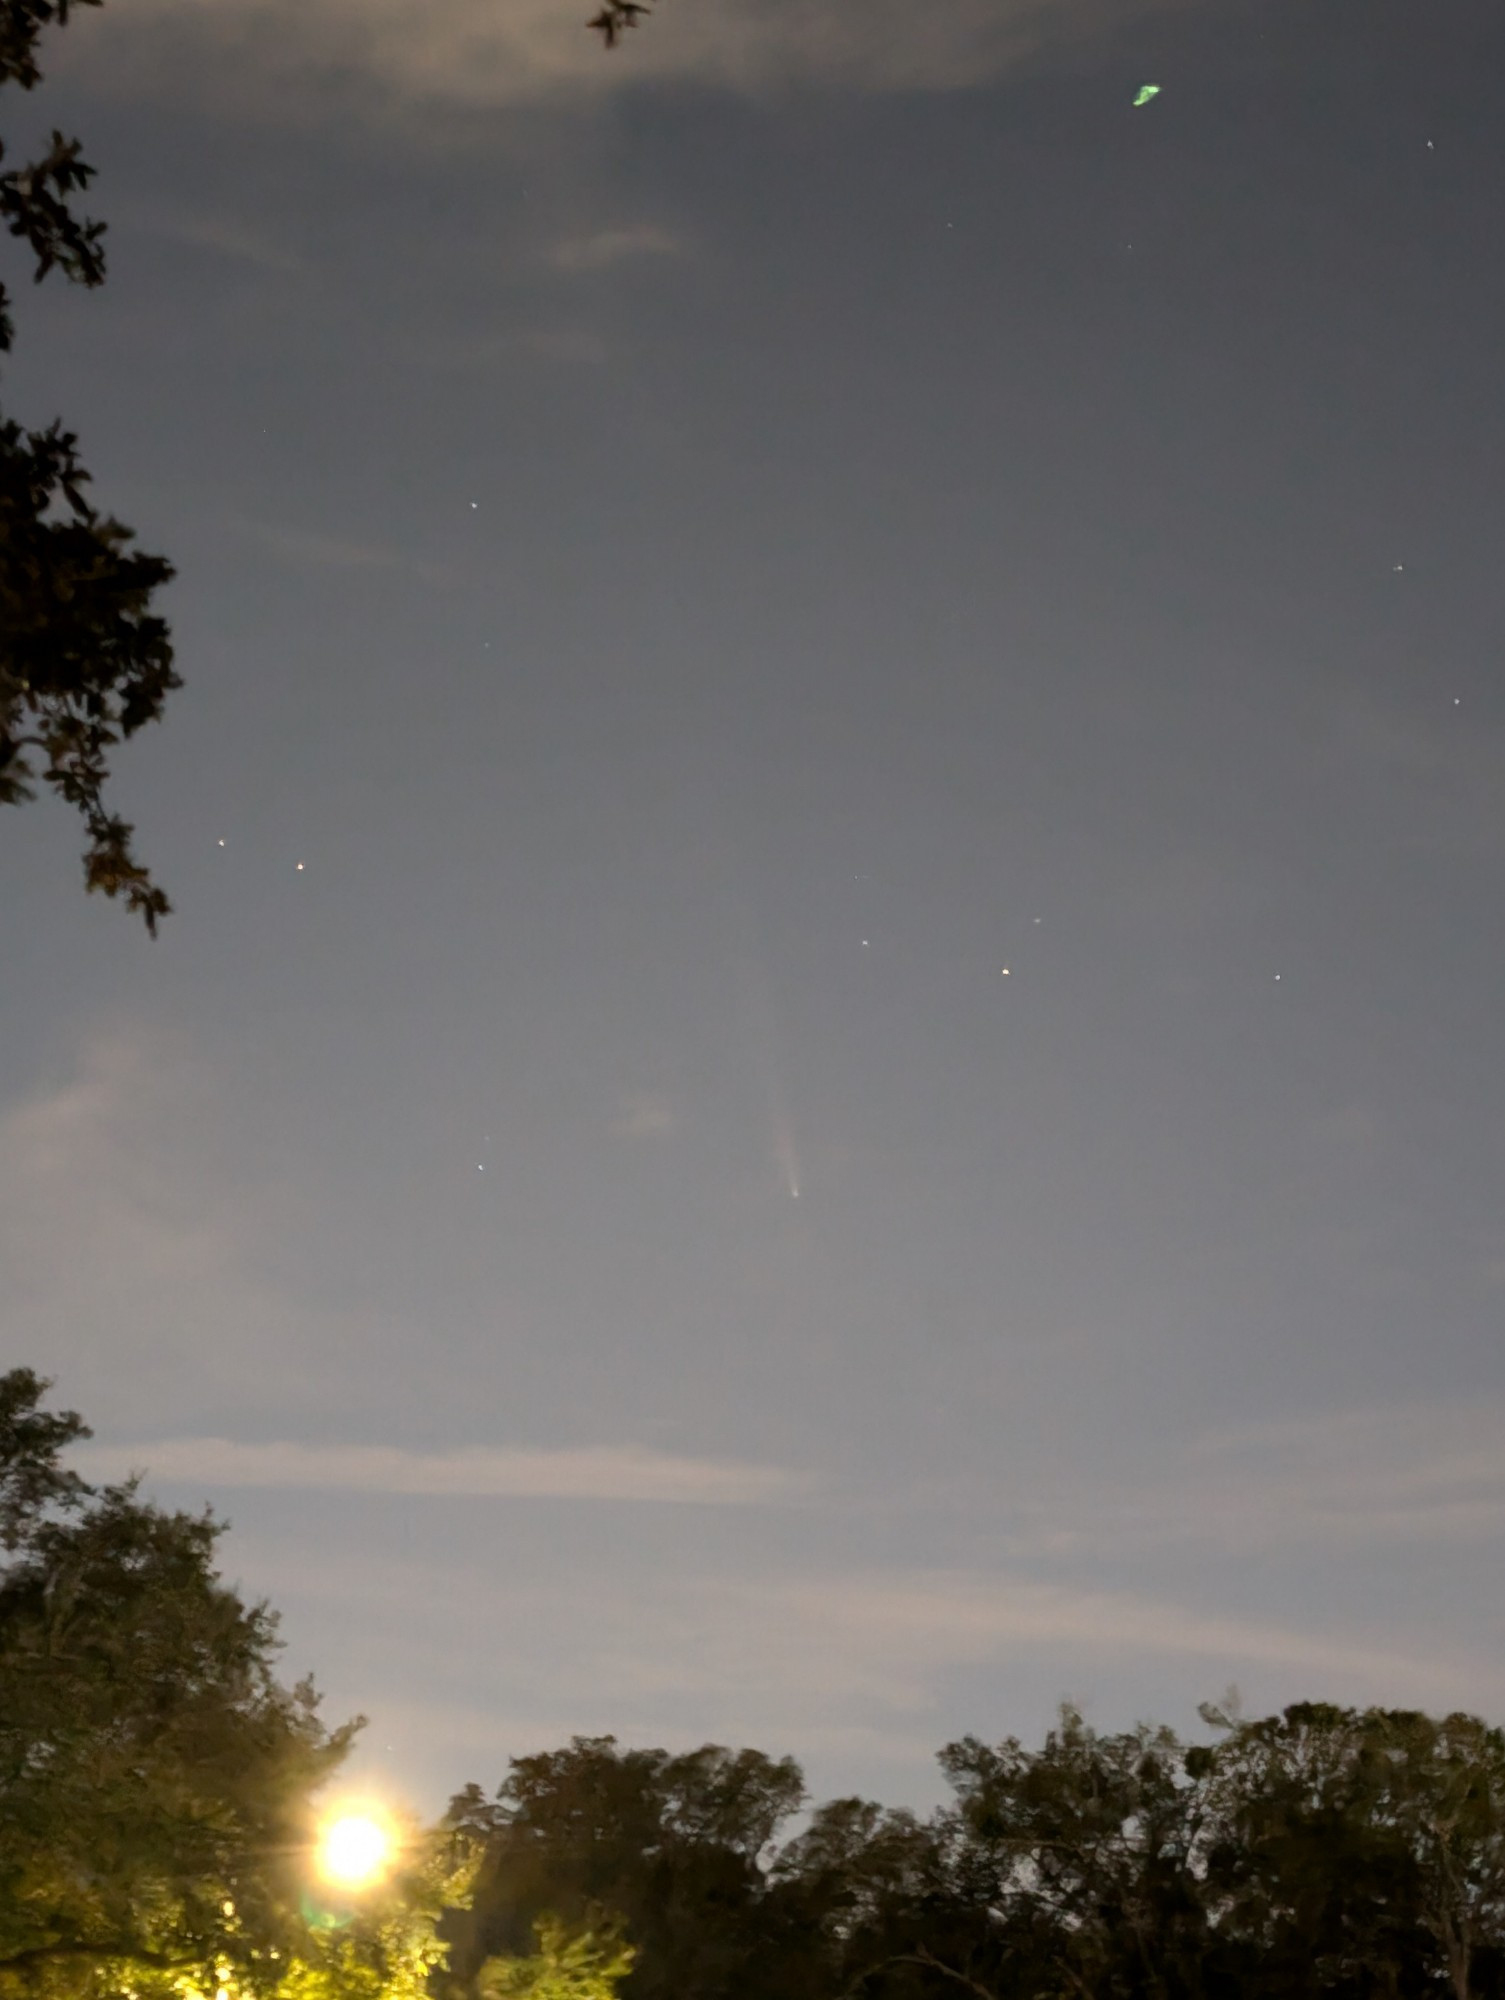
x=821 y=606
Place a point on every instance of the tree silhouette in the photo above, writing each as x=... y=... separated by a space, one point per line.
x=84 y=659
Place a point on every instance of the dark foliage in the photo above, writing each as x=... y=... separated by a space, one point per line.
x=154 y=1773
x=1324 y=1851
x=615 y=18
x=84 y=659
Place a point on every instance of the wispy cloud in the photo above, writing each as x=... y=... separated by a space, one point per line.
x=224 y=236
x=130 y=1223
x=643 y=1114
x=483 y=54
x=603 y=1472
x=1425 y=1472
x=97 y=1225
x=309 y=548
x=911 y=1627
x=1336 y=1480
x=304 y=546
x=602 y=248
x=837 y=1659
x=558 y=346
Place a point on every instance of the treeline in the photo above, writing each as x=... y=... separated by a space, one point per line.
x=1322 y=1851
x=161 y=1792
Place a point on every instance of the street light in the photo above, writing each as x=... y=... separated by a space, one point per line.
x=355 y=1846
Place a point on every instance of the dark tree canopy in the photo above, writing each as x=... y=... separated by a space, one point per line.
x=1323 y=1851
x=668 y=1844
x=84 y=659
x=155 y=1775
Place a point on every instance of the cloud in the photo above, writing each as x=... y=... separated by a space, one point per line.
x=309 y=549
x=97 y=1226
x=643 y=1114
x=225 y=237
x=134 y=1217
x=873 y=1663
x=488 y=53
x=908 y=1628
x=560 y=346
x=1339 y=1480
x=1430 y=1471
x=605 y=247
x=596 y=1472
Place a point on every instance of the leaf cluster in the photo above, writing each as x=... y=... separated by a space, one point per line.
x=615 y=18
x=85 y=661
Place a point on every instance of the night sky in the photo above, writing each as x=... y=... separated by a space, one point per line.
x=829 y=1062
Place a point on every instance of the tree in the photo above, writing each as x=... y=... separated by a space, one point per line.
x=1087 y=1851
x=874 y=1898
x=1367 y=1846
x=1319 y=1852
x=585 y=1964
x=84 y=658
x=388 y=1946
x=156 y=1780
x=668 y=1845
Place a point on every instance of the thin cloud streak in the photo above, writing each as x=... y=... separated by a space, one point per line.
x=477 y=53
x=605 y=1472
x=223 y=236
x=797 y=1656
x=1339 y=1480
x=985 y=1618
x=603 y=248
x=643 y=1114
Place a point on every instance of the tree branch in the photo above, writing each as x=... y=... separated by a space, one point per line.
x=931 y=1963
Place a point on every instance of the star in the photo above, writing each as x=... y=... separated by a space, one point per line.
x=300 y=867
x=1005 y=972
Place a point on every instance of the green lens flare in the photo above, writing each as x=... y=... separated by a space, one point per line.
x=321 y=1916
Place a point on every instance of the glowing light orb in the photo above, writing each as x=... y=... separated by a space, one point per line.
x=355 y=1847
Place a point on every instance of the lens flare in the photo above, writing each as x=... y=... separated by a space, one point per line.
x=355 y=1846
